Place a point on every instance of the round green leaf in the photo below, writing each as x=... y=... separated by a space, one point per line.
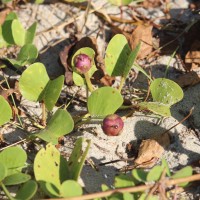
x=7 y=32
x=33 y=82
x=91 y=53
x=47 y=165
x=128 y=196
x=27 y=191
x=154 y=173
x=78 y=79
x=3 y=43
x=16 y=179
x=156 y=107
x=28 y=54
x=117 y=54
x=14 y=159
x=18 y=32
x=60 y=124
x=120 y=2
x=104 y=101
x=3 y=171
x=166 y=91
x=6 y=110
x=123 y=180
x=52 y=92
x=182 y=173
x=70 y=188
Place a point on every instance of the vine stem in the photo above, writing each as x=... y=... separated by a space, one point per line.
x=13 y=100
x=168 y=182
x=88 y=81
x=6 y=191
x=121 y=83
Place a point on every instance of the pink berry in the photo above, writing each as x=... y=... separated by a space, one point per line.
x=112 y=125
x=82 y=63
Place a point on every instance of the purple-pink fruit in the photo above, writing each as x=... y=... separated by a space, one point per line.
x=82 y=63
x=112 y=125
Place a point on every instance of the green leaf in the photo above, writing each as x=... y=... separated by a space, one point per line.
x=6 y=110
x=117 y=54
x=128 y=196
x=140 y=175
x=14 y=159
x=123 y=180
x=7 y=32
x=5 y=1
x=185 y=172
x=70 y=188
x=104 y=187
x=39 y=1
x=91 y=53
x=50 y=168
x=77 y=158
x=3 y=171
x=28 y=54
x=33 y=82
x=156 y=107
x=120 y=2
x=18 y=32
x=27 y=191
x=3 y=43
x=35 y=85
x=131 y=60
x=16 y=179
x=60 y=124
x=155 y=173
x=78 y=79
x=11 y=16
x=104 y=101
x=52 y=92
x=150 y=197
x=140 y=69
x=30 y=33
x=166 y=167
x=166 y=91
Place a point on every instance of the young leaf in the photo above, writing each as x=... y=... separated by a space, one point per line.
x=27 y=191
x=3 y=171
x=60 y=124
x=16 y=179
x=155 y=173
x=140 y=69
x=104 y=101
x=77 y=159
x=131 y=60
x=185 y=172
x=14 y=159
x=123 y=180
x=156 y=107
x=117 y=54
x=49 y=167
x=70 y=188
x=6 y=110
x=78 y=79
x=30 y=33
x=166 y=91
x=18 y=32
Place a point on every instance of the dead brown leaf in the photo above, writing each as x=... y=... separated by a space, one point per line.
x=151 y=150
x=151 y=3
x=192 y=58
x=3 y=15
x=142 y=34
x=188 y=79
